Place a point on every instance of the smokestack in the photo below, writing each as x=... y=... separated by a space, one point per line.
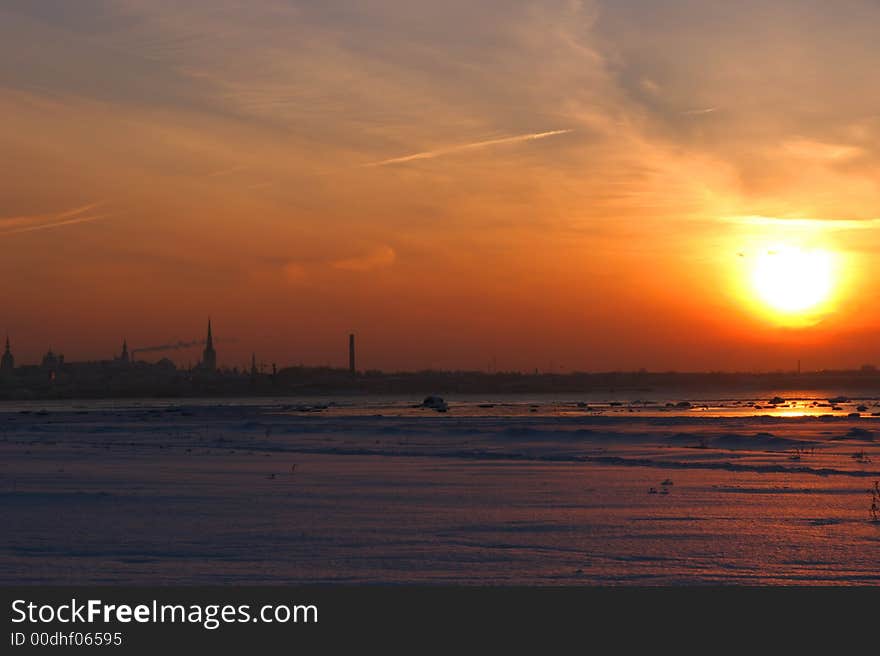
x=351 y=366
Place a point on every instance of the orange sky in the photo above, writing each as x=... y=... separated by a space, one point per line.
x=583 y=185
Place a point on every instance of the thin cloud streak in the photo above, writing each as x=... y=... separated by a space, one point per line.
x=18 y=220
x=227 y=171
x=58 y=224
x=379 y=258
x=431 y=154
x=804 y=223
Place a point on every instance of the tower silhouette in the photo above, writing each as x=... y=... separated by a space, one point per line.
x=351 y=362
x=7 y=362
x=209 y=355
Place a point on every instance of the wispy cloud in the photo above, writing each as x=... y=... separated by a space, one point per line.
x=302 y=272
x=818 y=150
x=28 y=219
x=260 y=185
x=801 y=223
x=47 y=226
x=227 y=171
x=698 y=112
x=381 y=257
x=84 y=214
x=439 y=152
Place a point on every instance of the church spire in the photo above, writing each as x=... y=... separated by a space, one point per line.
x=209 y=355
x=7 y=362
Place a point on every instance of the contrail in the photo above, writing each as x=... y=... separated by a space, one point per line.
x=430 y=154
x=18 y=220
x=58 y=224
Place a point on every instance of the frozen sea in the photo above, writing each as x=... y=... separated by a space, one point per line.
x=591 y=489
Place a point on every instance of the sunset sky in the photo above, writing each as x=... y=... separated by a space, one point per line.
x=582 y=185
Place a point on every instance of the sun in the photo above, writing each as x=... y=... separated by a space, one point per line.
x=790 y=280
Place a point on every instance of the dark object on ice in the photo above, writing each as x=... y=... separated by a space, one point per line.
x=670 y=405
x=435 y=403
x=838 y=399
x=853 y=415
x=664 y=491
x=777 y=400
x=875 y=502
x=683 y=404
x=668 y=481
x=652 y=490
x=862 y=408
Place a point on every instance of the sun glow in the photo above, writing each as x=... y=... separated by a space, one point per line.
x=790 y=280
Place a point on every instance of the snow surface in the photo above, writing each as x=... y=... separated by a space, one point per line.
x=503 y=491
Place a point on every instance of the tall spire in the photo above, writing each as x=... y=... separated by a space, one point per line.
x=7 y=362
x=209 y=355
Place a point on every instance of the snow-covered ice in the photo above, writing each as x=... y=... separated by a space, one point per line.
x=496 y=491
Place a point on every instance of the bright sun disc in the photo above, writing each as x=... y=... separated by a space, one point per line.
x=793 y=280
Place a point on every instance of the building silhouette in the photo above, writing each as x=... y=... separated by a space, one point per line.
x=52 y=361
x=209 y=355
x=7 y=362
x=124 y=357
x=351 y=361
